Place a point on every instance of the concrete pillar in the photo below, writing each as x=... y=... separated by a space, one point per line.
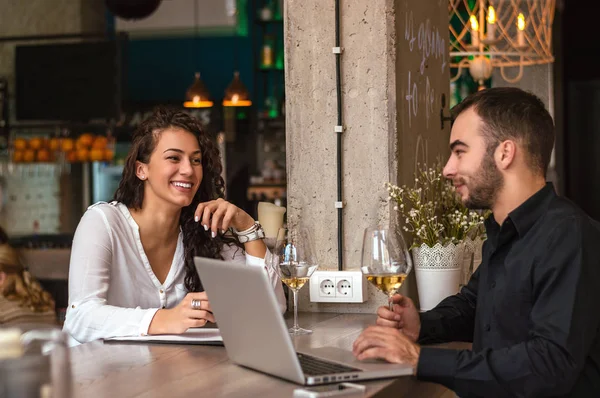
x=394 y=71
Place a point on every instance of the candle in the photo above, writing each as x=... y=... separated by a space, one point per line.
x=270 y=216
x=491 y=23
x=521 y=30
x=474 y=31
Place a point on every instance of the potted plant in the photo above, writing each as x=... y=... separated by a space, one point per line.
x=444 y=235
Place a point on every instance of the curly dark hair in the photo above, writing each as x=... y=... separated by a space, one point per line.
x=196 y=241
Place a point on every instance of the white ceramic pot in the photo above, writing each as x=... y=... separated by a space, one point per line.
x=439 y=272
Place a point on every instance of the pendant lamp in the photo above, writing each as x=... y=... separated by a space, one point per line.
x=197 y=95
x=236 y=94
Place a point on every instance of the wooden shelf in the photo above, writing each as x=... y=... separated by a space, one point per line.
x=258 y=192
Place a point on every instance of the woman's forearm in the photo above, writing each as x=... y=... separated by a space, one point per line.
x=256 y=248
x=159 y=324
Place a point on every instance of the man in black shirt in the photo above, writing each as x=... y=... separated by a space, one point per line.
x=531 y=307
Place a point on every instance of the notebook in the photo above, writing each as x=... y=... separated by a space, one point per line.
x=197 y=336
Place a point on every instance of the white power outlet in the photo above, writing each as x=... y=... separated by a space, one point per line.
x=343 y=287
x=338 y=287
x=326 y=287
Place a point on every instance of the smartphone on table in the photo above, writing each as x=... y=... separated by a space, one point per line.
x=331 y=390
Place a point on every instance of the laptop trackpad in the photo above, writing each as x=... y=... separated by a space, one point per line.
x=347 y=358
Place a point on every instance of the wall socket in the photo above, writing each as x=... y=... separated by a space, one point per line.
x=338 y=287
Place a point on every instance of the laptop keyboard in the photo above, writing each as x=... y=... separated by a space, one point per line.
x=312 y=366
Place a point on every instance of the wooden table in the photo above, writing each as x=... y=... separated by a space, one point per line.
x=153 y=370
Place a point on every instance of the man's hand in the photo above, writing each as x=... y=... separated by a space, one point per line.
x=405 y=317
x=388 y=344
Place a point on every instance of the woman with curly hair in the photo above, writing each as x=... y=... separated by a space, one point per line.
x=132 y=271
x=22 y=299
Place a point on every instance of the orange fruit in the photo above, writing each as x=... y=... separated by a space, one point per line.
x=67 y=144
x=86 y=139
x=29 y=155
x=36 y=143
x=20 y=144
x=96 y=155
x=72 y=156
x=100 y=142
x=54 y=144
x=108 y=154
x=83 y=155
x=17 y=156
x=44 y=155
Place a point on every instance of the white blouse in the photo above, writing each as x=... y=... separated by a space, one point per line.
x=112 y=288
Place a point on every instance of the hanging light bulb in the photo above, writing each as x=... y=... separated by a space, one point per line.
x=521 y=30
x=474 y=31
x=491 y=23
x=197 y=95
x=236 y=93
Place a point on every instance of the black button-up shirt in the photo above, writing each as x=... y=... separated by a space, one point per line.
x=531 y=309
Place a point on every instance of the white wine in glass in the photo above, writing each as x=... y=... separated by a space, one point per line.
x=295 y=282
x=295 y=261
x=389 y=284
x=385 y=260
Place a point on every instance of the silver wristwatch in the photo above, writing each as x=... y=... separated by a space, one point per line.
x=253 y=233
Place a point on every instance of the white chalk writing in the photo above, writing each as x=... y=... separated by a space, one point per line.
x=429 y=100
x=412 y=98
x=429 y=41
x=431 y=47
x=409 y=30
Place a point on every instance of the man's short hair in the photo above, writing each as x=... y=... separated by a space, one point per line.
x=511 y=113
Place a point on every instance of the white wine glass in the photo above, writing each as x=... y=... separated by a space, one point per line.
x=295 y=260
x=385 y=259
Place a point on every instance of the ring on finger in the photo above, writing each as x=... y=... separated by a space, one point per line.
x=196 y=304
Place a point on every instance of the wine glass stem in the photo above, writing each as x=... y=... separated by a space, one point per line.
x=391 y=304
x=295 y=309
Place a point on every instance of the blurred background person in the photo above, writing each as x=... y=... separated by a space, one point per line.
x=22 y=299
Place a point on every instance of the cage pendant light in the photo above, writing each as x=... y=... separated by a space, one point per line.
x=504 y=34
x=236 y=94
x=197 y=95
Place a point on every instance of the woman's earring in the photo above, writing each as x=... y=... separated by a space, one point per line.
x=142 y=178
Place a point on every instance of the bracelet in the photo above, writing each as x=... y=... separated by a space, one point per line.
x=253 y=233
x=252 y=228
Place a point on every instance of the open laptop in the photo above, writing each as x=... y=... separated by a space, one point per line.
x=256 y=336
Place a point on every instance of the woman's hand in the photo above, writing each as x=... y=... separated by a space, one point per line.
x=184 y=316
x=219 y=215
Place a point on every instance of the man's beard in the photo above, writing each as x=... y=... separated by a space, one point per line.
x=484 y=186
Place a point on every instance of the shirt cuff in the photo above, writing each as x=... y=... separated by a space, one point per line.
x=252 y=260
x=146 y=320
x=437 y=365
x=431 y=326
